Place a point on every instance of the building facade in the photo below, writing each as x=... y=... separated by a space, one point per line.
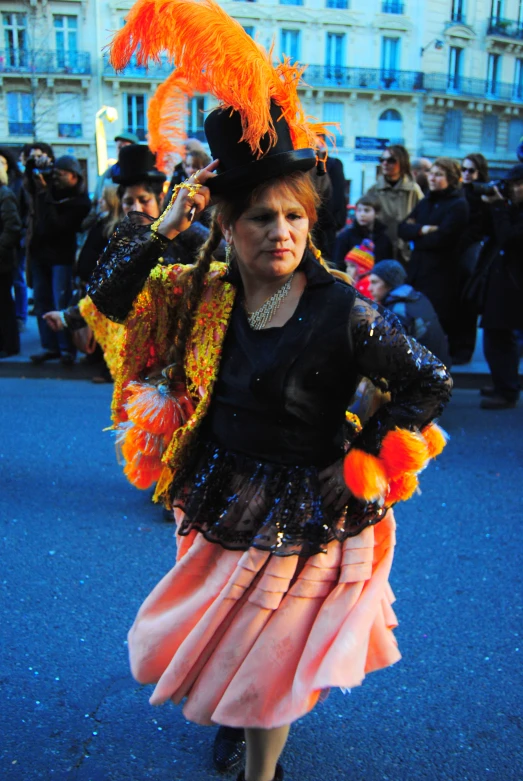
x=444 y=77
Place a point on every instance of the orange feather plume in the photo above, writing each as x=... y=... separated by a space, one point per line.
x=214 y=54
x=364 y=475
x=435 y=438
x=166 y=120
x=403 y=451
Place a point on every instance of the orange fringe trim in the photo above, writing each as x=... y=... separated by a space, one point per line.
x=364 y=475
x=403 y=451
x=435 y=438
x=402 y=488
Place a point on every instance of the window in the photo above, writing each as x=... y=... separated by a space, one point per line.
x=66 y=40
x=390 y=55
x=392 y=7
x=457 y=13
x=249 y=29
x=452 y=127
x=15 y=39
x=493 y=71
x=515 y=134
x=196 y=118
x=337 y=4
x=69 y=115
x=135 y=114
x=390 y=125
x=290 y=43
x=455 y=67
x=291 y=2
x=518 y=79
x=497 y=10
x=333 y=112
x=489 y=133
x=335 y=50
x=520 y=12
x=20 y=114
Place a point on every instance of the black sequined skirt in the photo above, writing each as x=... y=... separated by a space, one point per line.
x=240 y=502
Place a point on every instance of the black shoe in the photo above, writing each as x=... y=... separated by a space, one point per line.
x=497 y=402
x=461 y=358
x=8 y=353
x=488 y=390
x=277 y=777
x=67 y=359
x=229 y=748
x=47 y=355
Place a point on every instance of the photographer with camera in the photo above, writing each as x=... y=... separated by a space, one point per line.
x=60 y=204
x=502 y=311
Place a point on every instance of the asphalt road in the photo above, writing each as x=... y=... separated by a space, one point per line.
x=81 y=549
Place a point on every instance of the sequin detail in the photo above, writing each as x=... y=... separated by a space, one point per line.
x=240 y=502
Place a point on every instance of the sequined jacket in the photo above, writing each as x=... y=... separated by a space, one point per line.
x=346 y=337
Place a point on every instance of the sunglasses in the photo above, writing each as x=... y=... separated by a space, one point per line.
x=390 y=160
x=466 y=170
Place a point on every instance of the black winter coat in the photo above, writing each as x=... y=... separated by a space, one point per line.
x=351 y=237
x=10 y=229
x=433 y=267
x=58 y=217
x=503 y=306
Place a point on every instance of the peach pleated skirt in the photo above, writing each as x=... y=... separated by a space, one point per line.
x=251 y=639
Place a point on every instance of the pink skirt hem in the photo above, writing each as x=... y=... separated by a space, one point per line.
x=250 y=639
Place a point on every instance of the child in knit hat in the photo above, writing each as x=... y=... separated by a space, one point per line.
x=366 y=226
x=359 y=261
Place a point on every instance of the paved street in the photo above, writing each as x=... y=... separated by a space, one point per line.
x=81 y=548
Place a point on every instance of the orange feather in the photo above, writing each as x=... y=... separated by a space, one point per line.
x=214 y=54
x=402 y=488
x=166 y=120
x=364 y=475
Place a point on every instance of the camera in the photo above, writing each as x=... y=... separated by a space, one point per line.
x=44 y=171
x=487 y=188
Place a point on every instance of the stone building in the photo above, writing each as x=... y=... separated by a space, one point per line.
x=440 y=76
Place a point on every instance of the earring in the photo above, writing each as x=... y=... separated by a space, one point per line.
x=228 y=256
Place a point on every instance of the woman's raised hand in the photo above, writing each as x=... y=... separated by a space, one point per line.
x=54 y=321
x=180 y=214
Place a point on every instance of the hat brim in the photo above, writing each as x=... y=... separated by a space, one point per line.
x=146 y=176
x=268 y=167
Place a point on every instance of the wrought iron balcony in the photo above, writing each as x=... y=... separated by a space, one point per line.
x=506 y=28
x=363 y=78
x=392 y=7
x=475 y=88
x=20 y=61
x=155 y=71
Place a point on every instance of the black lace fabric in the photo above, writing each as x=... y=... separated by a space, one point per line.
x=240 y=502
x=124 y=266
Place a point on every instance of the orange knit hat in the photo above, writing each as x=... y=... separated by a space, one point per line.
x=362 y=256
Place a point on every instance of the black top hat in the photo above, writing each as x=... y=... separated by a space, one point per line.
x=136 y=163
x=239 y=168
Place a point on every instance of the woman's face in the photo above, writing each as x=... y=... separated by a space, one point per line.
x=390 y=166
x=270 y=237
x=517 y=192
x=437 y=179
x=190 y=169
x=138 y=199
x=102 y=204
x=469 y=171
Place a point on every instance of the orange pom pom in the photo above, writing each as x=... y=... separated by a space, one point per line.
x=403 y=451
x=402 y=488
x=435 y=438
x=364 y=475
x=143 y=471
x=152 y=408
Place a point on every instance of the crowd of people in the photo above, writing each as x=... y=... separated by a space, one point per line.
x=452 y=236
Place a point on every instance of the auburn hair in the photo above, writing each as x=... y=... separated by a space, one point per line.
x=450 y=168
x=226 y=211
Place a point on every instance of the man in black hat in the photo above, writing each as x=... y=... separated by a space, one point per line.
x=60 y=206
x=502 y=312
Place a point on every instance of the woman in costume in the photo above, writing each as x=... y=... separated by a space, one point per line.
x=231 y=389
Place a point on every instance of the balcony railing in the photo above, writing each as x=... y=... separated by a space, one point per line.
x=392 y=7
x=507 y=28
x=363 y=78
x=20 y=128
x=18 y=61
x=158 y=71
x=475 y=88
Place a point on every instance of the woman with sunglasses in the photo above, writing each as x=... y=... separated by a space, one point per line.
x=474 y=170
x=398 y=195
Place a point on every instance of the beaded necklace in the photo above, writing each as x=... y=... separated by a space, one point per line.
x=260 y=317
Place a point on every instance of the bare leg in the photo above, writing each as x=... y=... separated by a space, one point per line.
x=264 y=747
